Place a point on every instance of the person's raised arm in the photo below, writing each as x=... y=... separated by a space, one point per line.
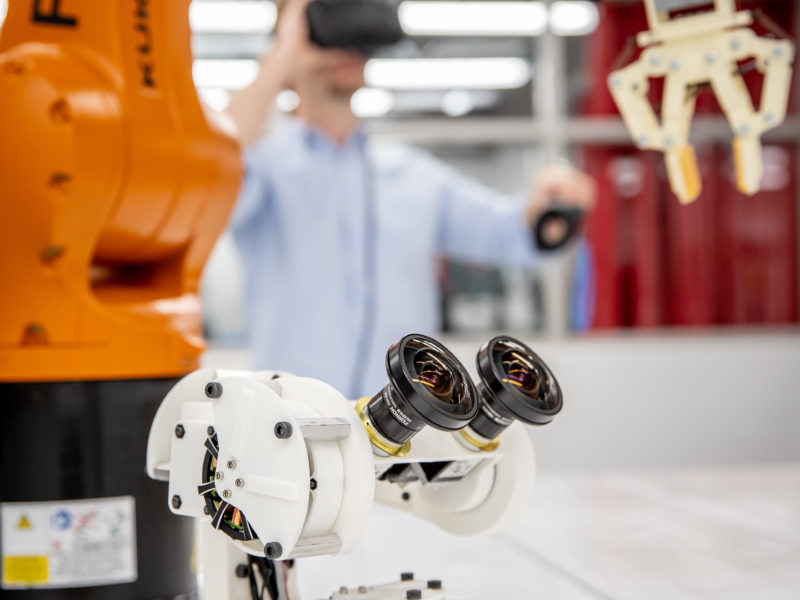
x=251 y=106
x=482 y=226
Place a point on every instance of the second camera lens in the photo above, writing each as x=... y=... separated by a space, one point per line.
x=515 y=384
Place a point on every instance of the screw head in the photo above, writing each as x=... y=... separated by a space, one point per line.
x=778 y=51
x=735 y=44
x=213 y=389
x=655 y=60
x=239 y=482
x=206 y=511
x=744 y=130
x=52 y=253
x=362 y=589
x=616 y=81
x=413 y=594
x=435 y=584
x=60 y=111
x=406 y=576
x=180 y=431
x=283 y=430
x=406 y=496
x=711 y=57
x=219 y=475
x=210 y=431
x=343 y=591
x=34 y=333
x=242 y=570
x=176 y=502
x=273 y=550
x=675 y=65
x=231 y=464
x=60 y=183
x=226 y=493
x=15 y=67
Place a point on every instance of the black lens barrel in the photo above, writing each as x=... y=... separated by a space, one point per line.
x=490 y=422
x=515 y=384
x=398 y=427
x=427 y=386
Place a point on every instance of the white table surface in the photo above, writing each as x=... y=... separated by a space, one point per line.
x=731 y=533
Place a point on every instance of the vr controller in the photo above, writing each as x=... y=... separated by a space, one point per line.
x=361 y=25
x=557 y=226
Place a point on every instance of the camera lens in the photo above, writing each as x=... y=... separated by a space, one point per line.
x=515 y=383
x=427 y=386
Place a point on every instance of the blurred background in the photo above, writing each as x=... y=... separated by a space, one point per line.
x=497 y=88
x=673 y=470
x=679 y=310
x=676 y=343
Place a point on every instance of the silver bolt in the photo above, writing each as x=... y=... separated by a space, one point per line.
x=616 y=82
x=655 y=60
x=641 y=140
x=231 y=464
x=675 y=65
x=343 y=590
x=239 y=482
x=362 y=589
x=219 y=475
x=744 y=130
x=778 y=51
x=769 y=118
x=669 y=142
x=226 y=493
x=711 y=57
x=735 y=44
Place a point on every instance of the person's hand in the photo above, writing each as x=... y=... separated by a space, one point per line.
x=564 y=184
x=291 y=35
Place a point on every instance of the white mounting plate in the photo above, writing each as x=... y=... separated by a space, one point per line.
x=388 y=591
x=275 y=471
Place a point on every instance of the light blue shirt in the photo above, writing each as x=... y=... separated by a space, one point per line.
x=339 y=245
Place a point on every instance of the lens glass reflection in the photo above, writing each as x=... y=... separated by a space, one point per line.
x=436 y=374
x=521 y=371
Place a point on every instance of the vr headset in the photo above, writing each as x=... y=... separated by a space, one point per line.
x=361 y=25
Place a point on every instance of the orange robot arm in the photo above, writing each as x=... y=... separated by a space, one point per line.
x=115 y=183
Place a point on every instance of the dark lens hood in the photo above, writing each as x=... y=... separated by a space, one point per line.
x=508 y=397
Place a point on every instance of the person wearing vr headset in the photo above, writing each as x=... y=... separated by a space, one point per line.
x=338 y=236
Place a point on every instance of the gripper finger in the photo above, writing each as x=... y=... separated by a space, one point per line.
x=748 y=162
x=683 y=172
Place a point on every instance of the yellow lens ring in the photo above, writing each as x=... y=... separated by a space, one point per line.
x=375 y=438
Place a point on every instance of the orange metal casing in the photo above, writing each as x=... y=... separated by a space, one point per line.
x=115 y=182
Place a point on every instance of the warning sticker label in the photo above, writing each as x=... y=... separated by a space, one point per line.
x=68 y=543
